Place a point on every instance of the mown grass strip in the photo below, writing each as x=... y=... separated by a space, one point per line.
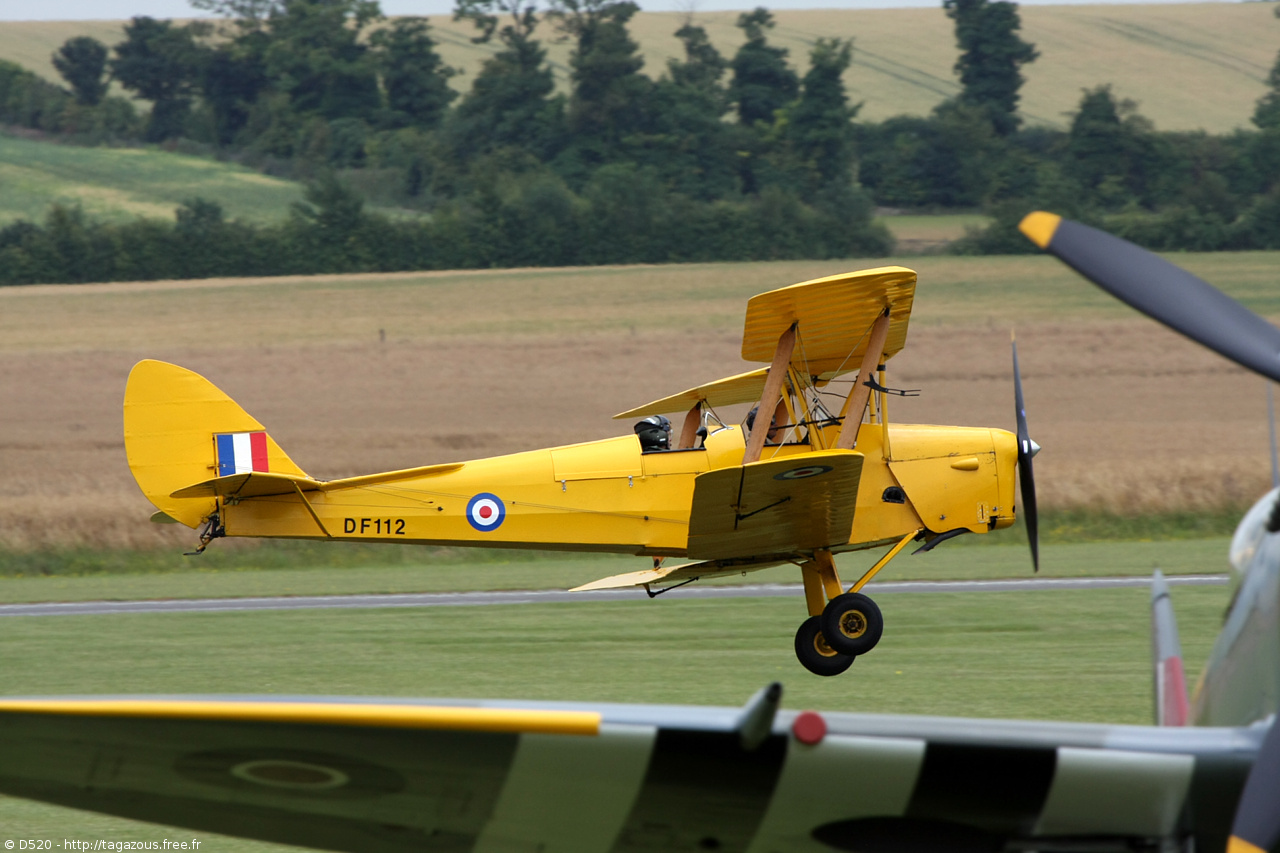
x=1065 y=655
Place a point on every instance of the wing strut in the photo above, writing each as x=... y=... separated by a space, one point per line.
x=306 y=503
x=857 y=402
x=772 y=393
x=689 y=432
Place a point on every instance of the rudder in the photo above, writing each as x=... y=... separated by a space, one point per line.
x=175 y=421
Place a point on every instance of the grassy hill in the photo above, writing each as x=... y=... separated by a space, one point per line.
x=121 y=183
x=1189 y=65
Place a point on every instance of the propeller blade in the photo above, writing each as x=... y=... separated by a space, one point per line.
x=1160 y=290
x=1257 y=825
x=1026 y=449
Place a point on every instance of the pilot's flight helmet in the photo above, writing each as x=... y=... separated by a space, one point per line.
x=654 y=432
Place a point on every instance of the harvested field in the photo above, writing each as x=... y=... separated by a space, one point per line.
x=354 y=374
x=1190 y=66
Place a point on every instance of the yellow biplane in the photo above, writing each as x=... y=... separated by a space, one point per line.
x=827 y=474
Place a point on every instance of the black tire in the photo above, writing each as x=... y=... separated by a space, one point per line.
x=815 y=654
x=852 y=623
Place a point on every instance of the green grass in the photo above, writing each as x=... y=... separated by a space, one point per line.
x=1065 y=655
x=408 y=570
x=123 y=183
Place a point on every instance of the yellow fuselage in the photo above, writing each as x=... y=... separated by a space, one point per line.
x=608 y=496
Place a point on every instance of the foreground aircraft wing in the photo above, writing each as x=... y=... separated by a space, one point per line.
x=448 y=775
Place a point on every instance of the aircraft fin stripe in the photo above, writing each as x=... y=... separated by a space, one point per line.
x=887 y=770
x=674 y=810
x=569 y=794
x=1239 y=845
x=1094 y=790
x=1171 y=705
x=999 y=789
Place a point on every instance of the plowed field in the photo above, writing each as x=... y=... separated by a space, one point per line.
x=365 y=373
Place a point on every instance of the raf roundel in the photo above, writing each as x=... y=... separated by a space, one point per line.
x=486 y=511
x=802 y=473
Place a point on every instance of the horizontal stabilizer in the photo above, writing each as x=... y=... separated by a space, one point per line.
x=263 y=485
x=249 y=485
x=1172 y=708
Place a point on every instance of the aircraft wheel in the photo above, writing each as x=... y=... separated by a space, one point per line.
x=815 y=653
x=852 y=623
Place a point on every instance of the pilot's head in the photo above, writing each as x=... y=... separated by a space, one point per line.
x=751 y=422
x=654 y=432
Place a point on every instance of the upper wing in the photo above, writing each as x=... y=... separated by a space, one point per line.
x=743 y=388
x=779 y=507
x=834 y=316
x=359 y=775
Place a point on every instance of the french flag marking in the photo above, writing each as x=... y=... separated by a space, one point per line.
x=241 y=452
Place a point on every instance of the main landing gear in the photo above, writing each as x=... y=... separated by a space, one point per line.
x=841 y=625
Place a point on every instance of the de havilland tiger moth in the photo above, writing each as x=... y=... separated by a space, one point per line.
x=823 y=471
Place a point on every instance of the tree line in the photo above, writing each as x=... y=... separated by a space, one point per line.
x=717 y=158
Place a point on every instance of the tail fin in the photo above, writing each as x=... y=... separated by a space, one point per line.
x=1166 y=653
x=180 y=429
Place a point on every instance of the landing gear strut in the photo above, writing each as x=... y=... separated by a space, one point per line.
x=841 y=625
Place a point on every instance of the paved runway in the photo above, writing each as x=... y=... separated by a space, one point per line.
x=479 y=599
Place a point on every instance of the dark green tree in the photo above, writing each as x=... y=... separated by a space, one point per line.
x=819 y=127
x=689 y=144
x=414 y=77
x=762 y=82
x=317 y=58
x=610 y=98
x=991 y=56
x=1266 y=113
x=161 y=63
x=82 y=62
x=233 y=76
x=1109 y=148
x=512 y=102
x=703 y=67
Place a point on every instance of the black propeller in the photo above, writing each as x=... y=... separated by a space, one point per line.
x=1026 y=449
x=1257 y=824
x=1160 y=290
x=1187 y=304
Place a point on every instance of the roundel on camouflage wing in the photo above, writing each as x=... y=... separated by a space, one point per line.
x=803 y=472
